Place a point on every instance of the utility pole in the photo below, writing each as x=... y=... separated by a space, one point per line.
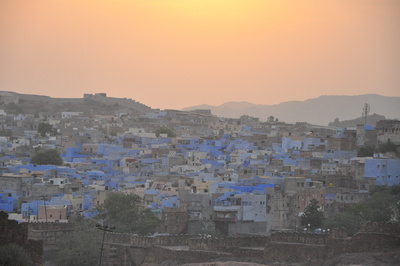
x=44 y=198
x=104 y=228
x=29 y=214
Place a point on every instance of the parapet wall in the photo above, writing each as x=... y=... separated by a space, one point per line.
x=301 y=238
x=303 y=247
x=140 y=241
x=279 y=246
x=228 y=244
x=42 y=226
x=49 y=233
x=390 y=228
x=283 y=247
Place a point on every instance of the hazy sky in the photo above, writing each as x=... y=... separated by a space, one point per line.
x=179 y=53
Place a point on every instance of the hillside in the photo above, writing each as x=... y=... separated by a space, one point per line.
x=371 y=120
x=90 y=104
x=319 y=111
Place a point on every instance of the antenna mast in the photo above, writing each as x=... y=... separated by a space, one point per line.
x=365 y=112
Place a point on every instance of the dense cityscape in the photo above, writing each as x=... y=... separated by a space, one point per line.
x=154 y=174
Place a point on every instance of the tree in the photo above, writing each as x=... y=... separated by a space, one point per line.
x=383 y=206
x=46 y=128
x=380 y=207
x=388 y=147
x=349 y=221
x=313 y=215
x=45 y=157
x=335 y=123
x=14 y=255
x=165 y=130
x=271 y=119
x=365 y=151
x=126 y=213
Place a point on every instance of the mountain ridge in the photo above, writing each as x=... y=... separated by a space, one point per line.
x=320 y=110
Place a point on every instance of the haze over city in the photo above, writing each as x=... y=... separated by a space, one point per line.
x=199 y=132
x=179 y=53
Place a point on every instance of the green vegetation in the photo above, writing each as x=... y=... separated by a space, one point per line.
x=14 y=255
x=368 y=151
x=45 y=128
x=383 y=206
x=271 y=119
x=346 y=220
x=335 y=123
x=126 y=213
x=165 y=130
x=45 y=157
x=313 y=215
x=365 y=151
x=388 y=147
x=378 y=208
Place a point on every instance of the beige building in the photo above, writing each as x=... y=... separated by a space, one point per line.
x=54 y=213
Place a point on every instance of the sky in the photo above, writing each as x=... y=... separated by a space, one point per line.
x=171 y=54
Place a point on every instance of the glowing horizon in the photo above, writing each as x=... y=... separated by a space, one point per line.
x=179 y=53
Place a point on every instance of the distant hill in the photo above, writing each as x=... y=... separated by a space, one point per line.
x=318 y=111
x=371 y=120
x=89 y=104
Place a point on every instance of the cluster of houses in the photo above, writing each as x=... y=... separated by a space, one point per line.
x=237 y=176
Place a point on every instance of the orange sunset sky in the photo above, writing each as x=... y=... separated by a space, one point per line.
x=179 y=53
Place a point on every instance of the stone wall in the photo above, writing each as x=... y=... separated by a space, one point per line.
x=49 y=226
x=363 y=242
x=303 y=247
x=161 y=254
x=13 y=233
x=48 y=233
x=228 y=244
x=125 y=249
x=284 y=247
x=380 y=228
x=140 y=241
x=295 y=252
x=303 y=238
